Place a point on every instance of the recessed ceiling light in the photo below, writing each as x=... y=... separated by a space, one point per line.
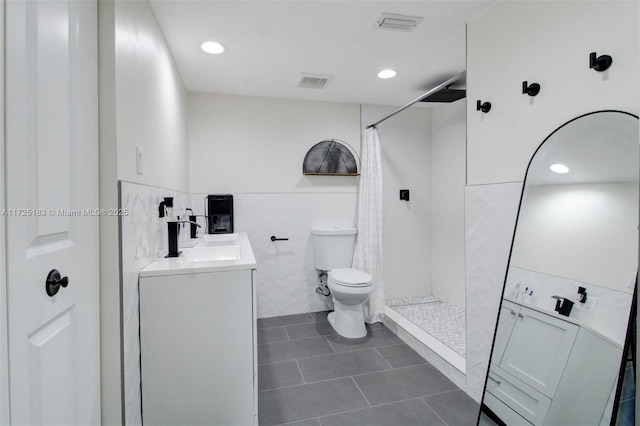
x=386 y=74
x=559 y=168
x=212 y=47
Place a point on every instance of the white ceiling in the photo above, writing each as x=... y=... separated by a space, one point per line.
x=271 y=42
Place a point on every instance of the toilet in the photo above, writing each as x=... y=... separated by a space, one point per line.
x=350 y=288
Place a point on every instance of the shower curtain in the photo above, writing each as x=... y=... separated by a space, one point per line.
x=368 y=251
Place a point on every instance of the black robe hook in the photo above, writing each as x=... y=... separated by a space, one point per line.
x=484 y=107
x=530 y=89
x=599 y=63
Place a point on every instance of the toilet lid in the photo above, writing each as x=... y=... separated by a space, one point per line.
x=350 y=277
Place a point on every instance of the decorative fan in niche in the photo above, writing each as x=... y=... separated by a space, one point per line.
x=330 y=157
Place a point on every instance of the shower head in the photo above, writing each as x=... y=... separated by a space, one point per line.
x=446 y=95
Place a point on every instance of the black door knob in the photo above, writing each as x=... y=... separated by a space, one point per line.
x=54 y=281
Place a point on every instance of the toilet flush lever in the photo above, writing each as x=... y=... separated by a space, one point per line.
x=273 y=238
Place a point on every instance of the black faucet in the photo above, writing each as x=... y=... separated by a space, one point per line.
x=173 y=229
x=563 y=305
x=192 y=219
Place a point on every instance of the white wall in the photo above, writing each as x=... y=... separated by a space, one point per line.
x=142 y=103
x=254 y=147
x=143 y=240
x=448 y=174
x=549 y=43
x=405 y=145
x=246 y=144
x=490 y=216
x=151 y=101
x=575 y=245
x=4 y=364
x=112 y=410
x=151 y=113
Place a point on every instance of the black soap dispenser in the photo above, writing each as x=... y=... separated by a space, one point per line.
x=582 y=294
x=165 y=207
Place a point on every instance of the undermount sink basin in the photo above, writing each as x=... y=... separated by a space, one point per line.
x=213 y=253
x=223 y=252
x=218 y=239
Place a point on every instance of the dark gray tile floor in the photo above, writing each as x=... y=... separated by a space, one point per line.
x=310 y=376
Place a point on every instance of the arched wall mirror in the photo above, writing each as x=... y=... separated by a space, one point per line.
x=568 y=293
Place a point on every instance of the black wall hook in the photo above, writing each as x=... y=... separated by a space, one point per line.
x=599 y=63
x=530 y=89
x=484 y=107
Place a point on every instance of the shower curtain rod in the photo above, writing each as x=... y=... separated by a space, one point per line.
x=421 y=97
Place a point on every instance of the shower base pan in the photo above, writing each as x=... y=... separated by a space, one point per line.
x=434 y=329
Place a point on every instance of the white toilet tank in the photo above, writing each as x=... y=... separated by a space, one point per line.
x=333 y=247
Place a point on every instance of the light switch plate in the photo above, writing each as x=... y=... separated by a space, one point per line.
x=139 y=164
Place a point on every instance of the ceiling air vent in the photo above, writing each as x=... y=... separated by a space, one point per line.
x=314 y=81
x=390 y=21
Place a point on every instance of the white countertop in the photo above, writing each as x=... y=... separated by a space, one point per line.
x=185 y=265
x=575 y=321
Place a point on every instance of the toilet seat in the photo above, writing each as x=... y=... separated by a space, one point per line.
x=350 y=277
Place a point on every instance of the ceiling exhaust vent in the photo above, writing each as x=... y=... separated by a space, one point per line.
x=314 y=81
x=390 y=21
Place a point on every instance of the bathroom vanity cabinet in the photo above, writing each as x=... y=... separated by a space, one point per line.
x=198 y=342
x=540 y=362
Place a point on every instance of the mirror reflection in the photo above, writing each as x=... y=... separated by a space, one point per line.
x=570 y=280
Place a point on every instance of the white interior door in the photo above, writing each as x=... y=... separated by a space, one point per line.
x=51 y=188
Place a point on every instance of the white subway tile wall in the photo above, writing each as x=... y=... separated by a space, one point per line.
x=490 y=216
x=144 y=239
x=287 y=278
